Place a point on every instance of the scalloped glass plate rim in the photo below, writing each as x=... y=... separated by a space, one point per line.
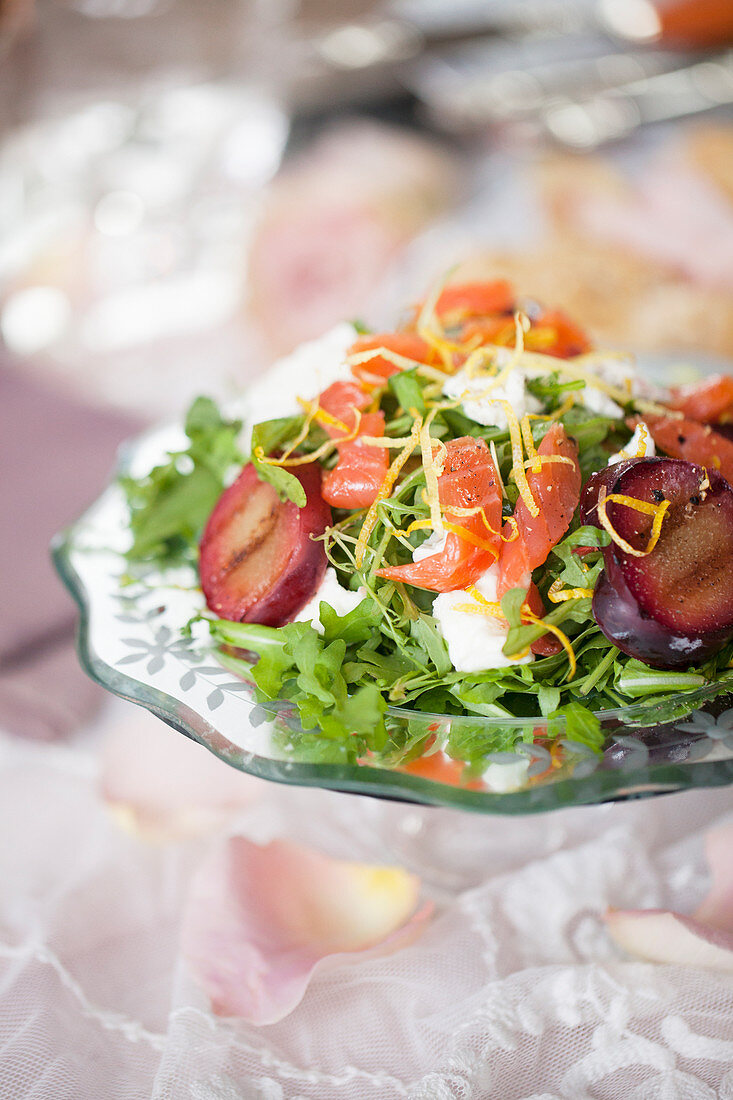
x=363 y=779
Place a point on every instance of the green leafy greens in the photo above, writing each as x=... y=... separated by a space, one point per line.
x=170 y=505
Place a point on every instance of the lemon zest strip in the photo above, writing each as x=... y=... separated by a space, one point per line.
x=385 y=489
x=557 y=594
x=518 y=458
x=643 y=437
x=386 y=441
x=489 y=607
x=431 y=474
x=515 y=530
x=322 y=417
x=559 y=412
x=545 y=460
x=468 y=536
x=534 y=460
x=303 y=460
x=302 y=434
x=402 y=362
x=658 y=511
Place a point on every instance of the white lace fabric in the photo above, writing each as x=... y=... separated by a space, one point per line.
x=513 y=990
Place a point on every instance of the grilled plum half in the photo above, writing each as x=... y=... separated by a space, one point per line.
x=686 y=582
x=672 y=607
x=258 y=562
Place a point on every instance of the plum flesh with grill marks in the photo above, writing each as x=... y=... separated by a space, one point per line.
x=259 y=559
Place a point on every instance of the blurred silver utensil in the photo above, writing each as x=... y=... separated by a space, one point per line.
x=406 y=28
x=609 y=115
x=475 y=86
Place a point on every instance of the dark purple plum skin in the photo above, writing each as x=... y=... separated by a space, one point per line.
x=630 y=630
x=686 y=582
x=664 y=745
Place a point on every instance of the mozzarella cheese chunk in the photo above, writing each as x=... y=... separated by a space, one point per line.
x=622 y=375
x=340 y=599
x=631 y=450
x=474 y=640
x=505 y=777
x=479 y=405
x=305 y=373
x=599 y=402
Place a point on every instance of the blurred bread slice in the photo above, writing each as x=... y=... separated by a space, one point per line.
x=710 y=150
x=643 y=278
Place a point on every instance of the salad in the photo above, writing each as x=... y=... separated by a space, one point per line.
x=476 y=514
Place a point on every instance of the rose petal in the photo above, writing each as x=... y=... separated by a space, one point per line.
x=705 y=939
x=259 y=920
x=161 y=784
x=664 y=937
x=717 y=908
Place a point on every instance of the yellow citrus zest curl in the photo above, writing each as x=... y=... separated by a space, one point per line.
x=547 y=460
x=482 y=606
x=322 y=417
x=468 y=536
x=497 y=469
x=511 y=522
x=557 y=594
x=431 y=472
x=534 y=460
x=643 y=437
x=658 y=511
x=385 y=489
x=520 y=476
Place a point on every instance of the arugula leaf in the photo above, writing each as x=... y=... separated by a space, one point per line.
x=425 y=632
x=581 y=725
x=170 y=505
x=519 y=637
x=408 y=391
x=548 y=699
x=638 y=680
x=361 y=715
x=271 y=435
x=356 y=626
x=286 y=485
x=270 y=645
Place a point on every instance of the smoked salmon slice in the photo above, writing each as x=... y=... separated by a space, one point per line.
x=708 y=401
x=406 y=344
x=468 y=481
x=357 y=476
x=556 y=489
x=682 y=438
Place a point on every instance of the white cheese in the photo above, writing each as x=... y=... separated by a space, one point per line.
x=506 y=776
x=341 y=599
x=631 y=450
x=479 y=405
x=622 y=375
x=599 y=402
x=305 y=373
x=474 y=641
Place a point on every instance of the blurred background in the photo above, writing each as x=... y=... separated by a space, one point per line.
x=189 y=190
